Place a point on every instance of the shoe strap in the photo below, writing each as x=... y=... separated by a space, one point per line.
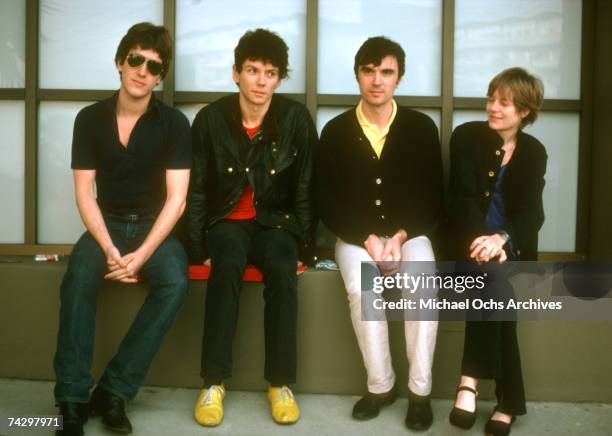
x=467 y=388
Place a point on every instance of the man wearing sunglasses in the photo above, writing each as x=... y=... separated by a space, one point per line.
x=251 y=202
x=137 y=152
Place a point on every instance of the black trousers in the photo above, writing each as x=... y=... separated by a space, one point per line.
x=491 y=352
x=233 y=244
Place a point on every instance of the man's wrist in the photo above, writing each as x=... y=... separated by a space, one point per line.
x=401 y=236
x=504 y=235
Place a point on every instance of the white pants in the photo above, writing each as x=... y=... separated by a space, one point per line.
x=373 y=336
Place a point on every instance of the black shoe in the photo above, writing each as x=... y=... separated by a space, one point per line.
x=74 y=417
x=112 y=410
x=370 y=404
x=460 y=417
x=419 y=416
x=498 y=428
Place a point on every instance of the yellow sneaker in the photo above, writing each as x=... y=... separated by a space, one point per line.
x=284 y=408
x=209 y=407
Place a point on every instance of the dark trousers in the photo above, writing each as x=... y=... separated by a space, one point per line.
x=491 y=352
x=233 y=244
x=166 y=274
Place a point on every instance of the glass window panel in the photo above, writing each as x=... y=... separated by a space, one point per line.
x=559 y=132
x=190 y=110
x=58 y=217
x=542 y=36
x=325 y=114
x=12 y=44
x=12 y=163
x=208 y=31
x=78 y=40
x=345 y=24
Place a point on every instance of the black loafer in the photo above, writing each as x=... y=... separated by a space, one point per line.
x=419 y=416
x=370 y=404
x=112 y=410
x=460 y=417
x=74 y=417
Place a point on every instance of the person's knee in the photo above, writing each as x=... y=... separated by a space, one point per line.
x=418 y=249
x=229 y=265
x=86 y=264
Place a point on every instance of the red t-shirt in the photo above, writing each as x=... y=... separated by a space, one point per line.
x=244 y=208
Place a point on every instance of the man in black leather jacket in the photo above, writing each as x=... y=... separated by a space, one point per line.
x=251 y=201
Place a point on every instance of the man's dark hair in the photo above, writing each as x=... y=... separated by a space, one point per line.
x=148 y=37
x=263 y=45
x=375 y=49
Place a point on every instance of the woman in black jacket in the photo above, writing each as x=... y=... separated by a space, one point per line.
x=495 y=213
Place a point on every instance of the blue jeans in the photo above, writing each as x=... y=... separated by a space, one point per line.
x=165 y=272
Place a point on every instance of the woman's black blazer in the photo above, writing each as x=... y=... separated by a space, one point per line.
x=476 y=155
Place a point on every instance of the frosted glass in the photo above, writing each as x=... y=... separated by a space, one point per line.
x=542 y=36
x=12 y=164
x=78 y=40
x=190 y=110
x=559 y=132
x=12 y=44
x=208 y=31
x=324 y=114
x=58 y=217
x=345 y=24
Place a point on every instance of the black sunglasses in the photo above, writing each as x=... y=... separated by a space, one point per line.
x=136 y=60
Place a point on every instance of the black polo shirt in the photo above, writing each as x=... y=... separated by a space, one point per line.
x=131 y=180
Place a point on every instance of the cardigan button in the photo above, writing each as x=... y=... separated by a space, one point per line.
x=230 y=170
x=378 y=202
x=382 y=217
x=286 y=217
x=247 y=169
x=497 y=152
x=378 y=180
x=272 y=171
x=487 y=193
x=491 y=173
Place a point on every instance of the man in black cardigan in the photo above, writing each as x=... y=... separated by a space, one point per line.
x=380 y=192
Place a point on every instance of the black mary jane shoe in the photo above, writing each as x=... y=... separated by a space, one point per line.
x=498 y=428
x=460 y=417
x=112 y=410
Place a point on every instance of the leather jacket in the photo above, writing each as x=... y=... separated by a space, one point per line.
x=278 y=164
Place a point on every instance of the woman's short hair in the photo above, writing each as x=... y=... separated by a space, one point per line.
x=524 y=89
x=147 y=36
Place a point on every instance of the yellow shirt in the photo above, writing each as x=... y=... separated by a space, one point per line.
x=376 y=137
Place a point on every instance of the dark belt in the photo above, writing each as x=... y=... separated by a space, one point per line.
x=130 y=218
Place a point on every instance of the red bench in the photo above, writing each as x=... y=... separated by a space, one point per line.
x=251 y=273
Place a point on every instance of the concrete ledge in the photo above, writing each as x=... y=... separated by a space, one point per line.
x=562 y=361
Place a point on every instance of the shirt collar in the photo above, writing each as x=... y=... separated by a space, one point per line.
x=363 y=121
x=153 y=108
x=269 y=127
